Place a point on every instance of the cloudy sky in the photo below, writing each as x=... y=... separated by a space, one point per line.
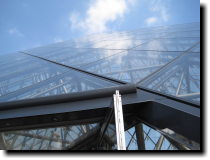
x=26 y=24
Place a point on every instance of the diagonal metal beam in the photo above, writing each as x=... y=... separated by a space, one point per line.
x=122 y=82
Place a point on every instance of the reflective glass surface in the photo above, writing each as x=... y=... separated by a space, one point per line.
x=59 y=138
x=29 y=77
x=153 y=140
x=164 y=59
x=134 y=56
x=180 y=78
x=169 y=44
x=109 y=140
x=22 y=71
x=131 y=66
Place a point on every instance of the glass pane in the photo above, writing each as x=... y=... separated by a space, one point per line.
x=108 y=139
x=153 y=57
x=130 y=136
x=183 y=34
x=115 y=55
x=152 y=139
x=80 y=57
x=131 y=66
x=59 y=138
x=172 y=44
x=181 y=78
x=41 y=78
x=22 y=71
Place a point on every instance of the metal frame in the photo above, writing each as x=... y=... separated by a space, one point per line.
x=122 y=82
x=153 y=109
x=140 y=136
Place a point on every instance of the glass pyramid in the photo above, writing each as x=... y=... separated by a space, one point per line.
x=164 y=59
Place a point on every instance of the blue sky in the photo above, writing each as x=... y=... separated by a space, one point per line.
x=26 y=24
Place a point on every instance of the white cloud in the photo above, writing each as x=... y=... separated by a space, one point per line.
x=99 y=14
x=118 y=41
x=74 y=20
x=160 y=9
x=15 y=31
x=151 y=20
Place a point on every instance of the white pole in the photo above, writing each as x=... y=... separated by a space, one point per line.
x=119 y=122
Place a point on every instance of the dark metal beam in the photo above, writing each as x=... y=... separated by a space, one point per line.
x=2 y=143
x=61 y=110
x=162 y=115
x=140 y=136
x=150 y=108
x=159 y=143
x=122 y=82
x=105 y=92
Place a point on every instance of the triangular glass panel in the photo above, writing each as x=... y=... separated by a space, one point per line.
x=59 y=138
x=38 y=78
x=131 y=66
x=169 y=44
x=181 y=78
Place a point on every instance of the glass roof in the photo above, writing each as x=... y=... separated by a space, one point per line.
x=151 y=139
x=59 y=138
x=166 y=59
x=24 y=77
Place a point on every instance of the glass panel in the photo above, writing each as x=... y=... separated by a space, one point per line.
x=59 y=138
x=131 y=66
x=172 y=44
x=151 y=140
x=107 y=54
x=165 y=145
x=181 y=78
x=133 y=56
x=26 y=71
x=154 y=135
x=118 y=43
x=79 y=57
x=41 y=78
x=130 y=137
x=108 y=139
x=183 y=30
x=183 y=34
x=67 y=82
x=196 y=48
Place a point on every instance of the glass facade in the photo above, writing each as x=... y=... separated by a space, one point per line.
x=164 y=59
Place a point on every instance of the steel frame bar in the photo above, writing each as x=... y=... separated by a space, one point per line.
x=122 y=82
x=159 y=143
x=140 y=136
x=165 y=67
x=2 y=143
x=35 y=136
x=105 y=92
x=153 y=109
x=131 y=139
x=104 y=125
x=134 y=69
